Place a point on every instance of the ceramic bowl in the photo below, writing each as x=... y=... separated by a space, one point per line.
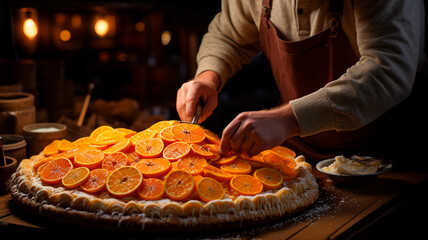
x=353 y=180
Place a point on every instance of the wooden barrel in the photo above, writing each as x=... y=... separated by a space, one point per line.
x=16 y=110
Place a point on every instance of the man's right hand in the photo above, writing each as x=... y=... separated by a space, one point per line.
x=202 y=88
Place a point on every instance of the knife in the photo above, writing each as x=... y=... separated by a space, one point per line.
x=198 y=112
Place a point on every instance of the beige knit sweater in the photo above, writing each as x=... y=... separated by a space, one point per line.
x=386 y=35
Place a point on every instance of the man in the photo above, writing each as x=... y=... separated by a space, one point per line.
x=345 y=71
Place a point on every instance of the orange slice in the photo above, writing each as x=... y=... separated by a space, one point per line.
x=159 y=126
x=121 y=146
x=65 y=145
x=151 y=147
x=284 y=164
x=237 y=167
x=151 y=189
x=96 y=181
x=281 y=150
x=124 y=181
x=40 y=162
x=127 y=133
x=212 y=137
x=269 y=177
x=114 y=161
x=202 y=150
x=94 y=134
x=75 y=177
x=142 y=135
x=216 y=173
x=40 y=168
x=246 y=185
x=167 y=136
x=89 y=158
x=55 y=170
x=176 y=150
x=192 y=163
x=109 y=137
x=153 y=167
x=225 y=160
x=52 y=148
x=255 y=161
x=189 y=133
x=209 y=189
x=179 y=185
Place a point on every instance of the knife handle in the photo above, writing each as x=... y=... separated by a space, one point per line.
x=197 y=113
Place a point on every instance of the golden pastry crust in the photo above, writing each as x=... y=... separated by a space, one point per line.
x=101 y=210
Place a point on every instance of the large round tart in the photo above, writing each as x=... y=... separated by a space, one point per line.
x=103 y=210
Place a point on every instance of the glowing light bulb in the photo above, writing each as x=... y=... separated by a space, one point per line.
x=166 y=37
x=30 y=28
x=65 y=35
x=101 y=27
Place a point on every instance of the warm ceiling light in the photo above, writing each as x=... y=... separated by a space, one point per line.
x=166 y=37
x=65 y=35
x=30 y=28
x=101 y=27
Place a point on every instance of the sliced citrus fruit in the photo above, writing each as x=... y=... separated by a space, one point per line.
x=153 y=167
x=40 y=168
x=176 y=150
x=212 y=137
x=159 y=126
x=151 y=189
x=151 y=147
x=127 y=133
x=142 y=135
x=190 y=133
x=94 y=134
x=167 y=136
x=65 y=145
x=69 y=154
x=255 y=161
x=225 y=160
x=179 y=185
x=40 y=162
x=284 y=164
x=96 y=181
x=109 y=137
x=55 y=170
x=89 y=158
x=192 y=163
x=209 y=189
x=281 y=150
x=202 y=150
x=114 y=161
x=121 y=146
x=246 y=185
x=217 y=173
x=124 y=181
x=133 y=157
x=52 y=148
x=237 y=167
x=270 y=178
x=75 y=177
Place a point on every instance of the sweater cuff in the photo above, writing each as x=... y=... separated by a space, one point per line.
x=217 y=65
x=314 y=113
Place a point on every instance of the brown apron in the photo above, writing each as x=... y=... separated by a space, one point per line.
x=302 y=67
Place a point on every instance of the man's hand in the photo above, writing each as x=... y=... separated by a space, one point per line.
x=253 y=132
x=202 y=88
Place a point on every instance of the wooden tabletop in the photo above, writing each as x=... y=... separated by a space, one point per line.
x=393 y=205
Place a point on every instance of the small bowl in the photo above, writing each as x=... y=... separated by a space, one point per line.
x=353 y=180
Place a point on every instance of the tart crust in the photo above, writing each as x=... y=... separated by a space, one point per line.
x=131 y=213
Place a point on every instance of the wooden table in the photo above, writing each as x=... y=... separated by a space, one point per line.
x=394 y=205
